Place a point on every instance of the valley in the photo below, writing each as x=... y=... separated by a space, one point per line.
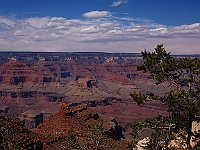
x=34 y=87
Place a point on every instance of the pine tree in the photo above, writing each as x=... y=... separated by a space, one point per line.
x=183 y=74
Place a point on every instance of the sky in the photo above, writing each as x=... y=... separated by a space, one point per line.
x=121 y=26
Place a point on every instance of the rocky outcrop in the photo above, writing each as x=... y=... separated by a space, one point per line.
x=81 y=119
x=88 y=81
x=31 y=120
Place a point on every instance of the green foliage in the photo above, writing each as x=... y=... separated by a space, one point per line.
x=95 y=139
x=138 y=97
x=97 y=135
x=71 y=139
x=137 y=127
x=159 y=63
x=162 y=134
x=183 y=74
x=162 y=131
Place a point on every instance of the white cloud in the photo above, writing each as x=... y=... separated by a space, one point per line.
x=60 y=24
x=96 y=14
x=110 y=35
x=90 y=30
x=37 y=22
x=189 y=30
x=57 y=19
x=6 y=21
x=109 y=24
x=119 y=2
x=188 y=27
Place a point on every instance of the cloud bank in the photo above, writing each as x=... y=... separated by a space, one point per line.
x=97 y=32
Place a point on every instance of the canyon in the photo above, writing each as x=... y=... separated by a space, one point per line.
x=35 y=86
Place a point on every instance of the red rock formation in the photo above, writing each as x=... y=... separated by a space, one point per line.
x=81 y=119
x=114 y=78
x=15 y=72
x=67 y=118
x=87 y=81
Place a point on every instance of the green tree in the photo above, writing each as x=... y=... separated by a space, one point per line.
x=94 y=139
x=183 y=74
x=71 y=139
x=161 y=128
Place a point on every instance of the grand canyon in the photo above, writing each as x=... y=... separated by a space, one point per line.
x=39 y=89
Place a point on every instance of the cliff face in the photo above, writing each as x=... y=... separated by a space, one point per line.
x=82 y=122
x=15 y=72
x=80 y=118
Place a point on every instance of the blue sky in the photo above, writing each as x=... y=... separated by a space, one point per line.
x=100 y=25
